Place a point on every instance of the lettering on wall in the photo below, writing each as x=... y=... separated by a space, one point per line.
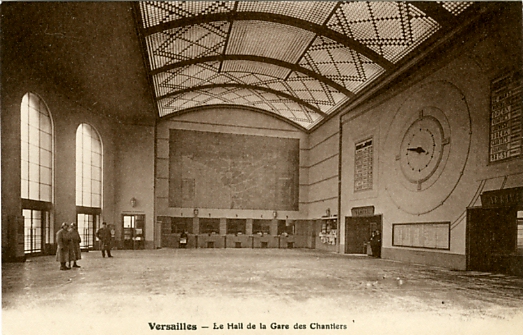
x=506 y=124
x=363 y=166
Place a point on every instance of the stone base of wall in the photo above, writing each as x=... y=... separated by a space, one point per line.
x=433 y=258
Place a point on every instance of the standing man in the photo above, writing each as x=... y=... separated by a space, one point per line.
x=75 y=252
x=104 y=235
x=63 y=240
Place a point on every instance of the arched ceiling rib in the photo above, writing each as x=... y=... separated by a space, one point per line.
x=299 y=60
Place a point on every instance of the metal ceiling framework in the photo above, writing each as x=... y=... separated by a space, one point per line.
x=300 y=60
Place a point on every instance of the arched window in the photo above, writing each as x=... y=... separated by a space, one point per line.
x=89 y=158
x=36 y=137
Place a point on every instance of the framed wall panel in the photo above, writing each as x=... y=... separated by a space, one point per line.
x=506 y=123
x=427 y=235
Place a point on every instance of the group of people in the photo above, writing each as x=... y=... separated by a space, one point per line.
x=375 y=243
x=68 y=249
x=68 y=244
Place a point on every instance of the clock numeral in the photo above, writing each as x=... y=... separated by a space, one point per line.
x=419 y=185
x=446 y=141
x=420 y=114
x=398 y=157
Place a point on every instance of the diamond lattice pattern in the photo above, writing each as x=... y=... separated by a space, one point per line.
x=298 y=59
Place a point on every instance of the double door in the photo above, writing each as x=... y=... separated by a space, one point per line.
x=358 y=231
x=133 y=231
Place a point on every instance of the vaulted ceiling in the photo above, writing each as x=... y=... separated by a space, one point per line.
x=298 y=60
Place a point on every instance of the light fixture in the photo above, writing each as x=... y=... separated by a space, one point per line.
x=133 y=202
x=274 y=214
x=195 y=211
x=328 y=212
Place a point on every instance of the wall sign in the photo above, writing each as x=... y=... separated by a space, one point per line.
x=505 y=117
x=363 y=166
x=502 y=198
x=362 y=211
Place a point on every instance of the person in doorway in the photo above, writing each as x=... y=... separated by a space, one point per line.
x=183 y=239
x=74 y=249
x=372 y=242
x=104 y=235
x=378 y=244
x=63 y=243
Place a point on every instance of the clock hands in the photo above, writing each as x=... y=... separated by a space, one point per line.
x=419 y=150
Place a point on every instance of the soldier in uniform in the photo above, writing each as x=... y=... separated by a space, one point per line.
x=104 y=234
x=63 y=239
x=75 y=252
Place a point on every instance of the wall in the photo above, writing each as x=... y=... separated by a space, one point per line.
x=135 y=178
x=32 y=62
x=454 y=88
x=225 y=120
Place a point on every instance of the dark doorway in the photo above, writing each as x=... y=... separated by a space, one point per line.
x=357 y=232
x=491 y=239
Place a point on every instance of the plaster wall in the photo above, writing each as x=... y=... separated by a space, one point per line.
x=458 y=84
x=226 y=120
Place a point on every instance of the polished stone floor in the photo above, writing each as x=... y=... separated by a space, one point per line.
x=241 y=288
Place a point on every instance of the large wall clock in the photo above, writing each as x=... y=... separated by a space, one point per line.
x=423 y=150
x=427 y=146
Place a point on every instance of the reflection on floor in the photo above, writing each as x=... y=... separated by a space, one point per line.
x=315 y=291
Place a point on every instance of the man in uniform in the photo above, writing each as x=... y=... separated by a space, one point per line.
x=63 y=239
x=104 y=235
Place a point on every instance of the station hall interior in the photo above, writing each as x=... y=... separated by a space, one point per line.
x=273 y=138
x=266 y=125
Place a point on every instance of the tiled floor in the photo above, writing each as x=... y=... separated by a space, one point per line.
x=137 y=290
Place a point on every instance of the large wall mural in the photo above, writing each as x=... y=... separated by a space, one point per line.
x=232 y=171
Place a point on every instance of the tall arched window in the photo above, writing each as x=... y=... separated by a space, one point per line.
x=88 y=182
x=36 y=137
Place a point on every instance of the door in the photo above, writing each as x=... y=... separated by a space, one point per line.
x=34 y=223
x=491 y=234
x=357 y=232
x=133 y=231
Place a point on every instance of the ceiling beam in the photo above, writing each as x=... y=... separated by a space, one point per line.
x=249 y=87
x=232 y=106
x=277 y=18
x=290 y=66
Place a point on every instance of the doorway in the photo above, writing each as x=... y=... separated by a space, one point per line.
x=133 y=231
x=358 y=230
x=491 y=239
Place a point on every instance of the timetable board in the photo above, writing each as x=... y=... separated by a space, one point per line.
x=506 y=124
x=363 y=166
x=428 y=235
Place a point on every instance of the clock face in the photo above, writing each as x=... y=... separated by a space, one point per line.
x=427 y=147
x=421 y=149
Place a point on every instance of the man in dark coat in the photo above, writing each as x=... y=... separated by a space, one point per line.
x=104 y=235
x=63 y=239
x=74 y=253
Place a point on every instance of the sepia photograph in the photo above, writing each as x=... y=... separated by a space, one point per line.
x=261 y=167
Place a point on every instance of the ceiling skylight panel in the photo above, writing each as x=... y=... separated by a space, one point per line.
x=313 y=11
x=455 y=7
x=186 y=42
x=159 y=12
x=255 y=67
x=268 y=39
